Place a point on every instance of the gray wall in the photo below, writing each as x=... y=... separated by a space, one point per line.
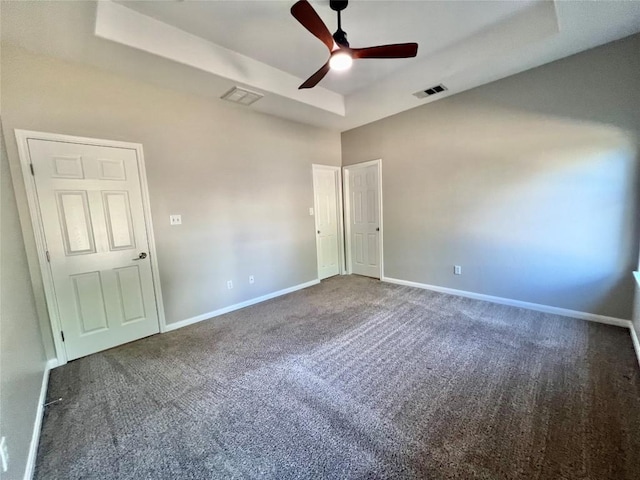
x=530 y=183
x=22 y=357
x=241 y=180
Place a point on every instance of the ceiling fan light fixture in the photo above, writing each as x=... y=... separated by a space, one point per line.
x=340 y=61
x=341 y=54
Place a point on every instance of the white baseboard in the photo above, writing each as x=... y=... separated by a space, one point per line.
x=37 y=424
x=206 y=316
x=592 y=317
x=636 y=342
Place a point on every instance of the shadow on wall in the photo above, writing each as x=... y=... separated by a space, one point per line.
x=537 y=208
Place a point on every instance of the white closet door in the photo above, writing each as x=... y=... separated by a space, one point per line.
x=364 y=218
x=325 y=187
x=91 y=207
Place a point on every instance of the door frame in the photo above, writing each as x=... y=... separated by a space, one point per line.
x=339 y=215
x=347 y=212
x=46 y=275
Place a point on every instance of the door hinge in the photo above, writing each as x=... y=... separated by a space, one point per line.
x=31 y=168
x=62 y=335
x=48 y=256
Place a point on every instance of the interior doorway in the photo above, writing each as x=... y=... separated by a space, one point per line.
x=327 y=192
x=89 y=208
x=363 y=218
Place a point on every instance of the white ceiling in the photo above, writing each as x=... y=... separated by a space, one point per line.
x=205 y=47
x=266 y=31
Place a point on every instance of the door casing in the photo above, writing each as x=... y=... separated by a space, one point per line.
x=22 y=137
x=347 y=213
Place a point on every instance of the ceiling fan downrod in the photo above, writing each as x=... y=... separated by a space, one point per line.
x=340 y=36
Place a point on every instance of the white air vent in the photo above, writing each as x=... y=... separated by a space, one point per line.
x=430 y=91
x=241 y=96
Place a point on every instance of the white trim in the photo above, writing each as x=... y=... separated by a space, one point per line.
x=339 y=212
x=37 y=424
x=347 y=214
x=636 y=342
x=238 y=306
x=380 y=209
x=45 y=272
x=343 y=260
x=592 y=317
x=347 y=220
x=22 y=137
x=155 y=267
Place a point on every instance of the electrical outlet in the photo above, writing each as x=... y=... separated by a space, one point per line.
x=457 y=270
x=251 y=279
x=229 y=284
x=4 y=454
x=175 y=219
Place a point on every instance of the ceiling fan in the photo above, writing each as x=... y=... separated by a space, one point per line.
x=341 y=55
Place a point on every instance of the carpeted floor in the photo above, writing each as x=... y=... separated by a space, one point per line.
x=354 y=379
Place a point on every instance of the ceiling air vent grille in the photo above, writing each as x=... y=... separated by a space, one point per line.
x=241 y=96
x=430 y=91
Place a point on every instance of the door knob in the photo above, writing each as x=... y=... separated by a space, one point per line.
x=318 y=232
x=142 y=256
x=378 y=229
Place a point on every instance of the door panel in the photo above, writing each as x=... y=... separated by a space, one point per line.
x=359 y=246
x=357 y=212
x=130 y=292
x=325 y=187
x=119 y=223
x=90 y=201
x=112 y=169
x=372 y=250
x=89 y=299
x=75 y=223
x=67 y=167
x=364 y=220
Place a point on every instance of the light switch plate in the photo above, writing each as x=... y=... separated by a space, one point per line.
x=311 y=211
x=175 y=219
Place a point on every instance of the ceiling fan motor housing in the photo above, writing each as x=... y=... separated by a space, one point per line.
x=338 y=5
x=341 y=38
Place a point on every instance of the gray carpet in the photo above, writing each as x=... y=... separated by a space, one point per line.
x=353 y=379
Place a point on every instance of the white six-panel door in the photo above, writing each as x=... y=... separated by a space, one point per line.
x=93 y=220
x=364 y=219
x=326 y=184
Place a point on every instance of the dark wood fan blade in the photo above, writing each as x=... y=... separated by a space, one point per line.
x=307 y=16
x=398 y=50
x=313 y=80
